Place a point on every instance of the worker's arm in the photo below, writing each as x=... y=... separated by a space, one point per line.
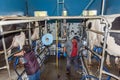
x=64 y=52
x=21 y=53
x=64 y=49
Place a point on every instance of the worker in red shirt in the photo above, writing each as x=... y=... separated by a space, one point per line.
x=71 y=49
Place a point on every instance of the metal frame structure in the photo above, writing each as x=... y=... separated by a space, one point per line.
x=60 y=2
x=34 y=19
x=13 y=21
x=103 y=55
x=105 y=34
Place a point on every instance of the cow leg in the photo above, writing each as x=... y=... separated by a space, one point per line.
x=89 y=59
x=90 y=54
x=9 y=52
x=108 y=60
x=116 y=60
x=35 y=34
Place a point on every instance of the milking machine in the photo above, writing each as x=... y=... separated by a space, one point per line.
x=43 y=47
x=83 y=54
x=16 y=62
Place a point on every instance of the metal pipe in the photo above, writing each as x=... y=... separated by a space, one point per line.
x=50 y=17
x=30 y=33
x=94 y=53
x=21 y=18
x=63 y=5
x=57 y=7
x=85 y=71
x=18 y=21
x=111 y=75
x=4 y=67
x=88 y=4
x=57 y=60
x=27 y=8
x=5 y=52
x=114 y=31
x=103 y=7
x=45 y=26
x=13 y=31
x=32 y=19
x=75 y=17
x=103 y=53
x=98 y=32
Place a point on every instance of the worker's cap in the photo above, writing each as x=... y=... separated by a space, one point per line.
x=77 y=38
x=27 y=48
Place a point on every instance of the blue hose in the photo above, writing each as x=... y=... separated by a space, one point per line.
x=89 y=76
x=104 y=68
x=14 y=65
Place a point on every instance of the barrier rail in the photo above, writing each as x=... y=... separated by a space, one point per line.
x=34 y=19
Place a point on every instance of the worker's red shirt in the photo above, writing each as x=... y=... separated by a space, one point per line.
x=74 y=48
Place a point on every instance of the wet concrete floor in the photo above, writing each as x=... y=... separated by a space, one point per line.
x=52 y=72
x=49 y=70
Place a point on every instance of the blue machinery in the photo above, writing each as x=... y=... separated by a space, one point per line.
x=44 y=50
x=47 y=39
x=86 y=75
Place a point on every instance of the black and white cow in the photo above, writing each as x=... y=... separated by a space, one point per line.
x=13 y=39
x=18 y=38
x=113 y=39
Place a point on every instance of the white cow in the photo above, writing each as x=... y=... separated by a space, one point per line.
x=113 y=47
x=95 y=39
x=18 y=40
x=35 y=34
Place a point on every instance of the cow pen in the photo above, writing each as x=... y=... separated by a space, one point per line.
x=15 y=21
x=28 y=20
x=105 y=34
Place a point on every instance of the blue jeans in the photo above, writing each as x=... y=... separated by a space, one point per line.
x=35 y=76
x=73 y=60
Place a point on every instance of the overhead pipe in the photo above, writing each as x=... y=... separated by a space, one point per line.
x=27 y=8
x=18 y=21
x=57 y=7
x=103 y=7
x=89 y=4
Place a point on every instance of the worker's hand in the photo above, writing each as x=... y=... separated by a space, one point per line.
x=65 y=54
x=85 y=47
x=21 y=53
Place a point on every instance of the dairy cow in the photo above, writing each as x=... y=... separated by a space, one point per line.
x=93 y=38
x=13 y=39
x=113 y=39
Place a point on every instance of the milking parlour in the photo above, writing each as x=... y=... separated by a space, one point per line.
x=59 y=40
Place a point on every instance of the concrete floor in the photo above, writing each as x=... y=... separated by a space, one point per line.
x=49 y=71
